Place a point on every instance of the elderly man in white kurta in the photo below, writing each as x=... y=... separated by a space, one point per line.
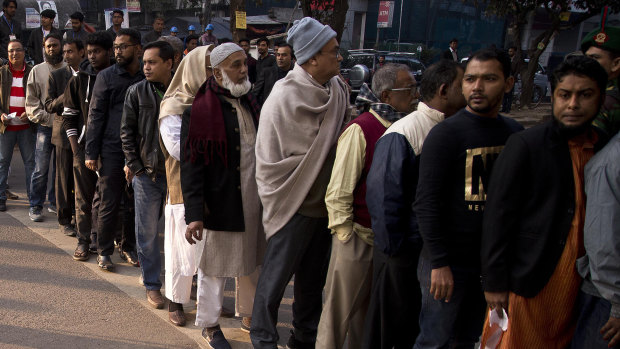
x=220 y=194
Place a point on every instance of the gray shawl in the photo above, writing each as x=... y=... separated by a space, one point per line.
x=300 y=122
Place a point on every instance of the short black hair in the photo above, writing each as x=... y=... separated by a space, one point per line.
x=192 y=37
x=284 y=44
x=440 y=73
x=487 y=54
x=580 y=66
x=6 y=3
x=100 y=38
x=132 y=33
x=118 y=11
x=513 y=47
x=166 y=51
x=54 y=36
x=454 y=40
x=159 y=18
x=244 y=39
x=77 y=15
x=79 y=44
x=261 y=40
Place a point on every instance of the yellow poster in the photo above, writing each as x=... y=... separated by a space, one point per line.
x=240 y=20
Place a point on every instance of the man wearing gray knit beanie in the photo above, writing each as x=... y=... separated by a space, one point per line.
x=295 y=149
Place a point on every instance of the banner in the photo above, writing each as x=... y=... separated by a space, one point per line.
x=108 y=17
x=33 y=20
x=133 y=6
x=386 y=13
x=240 y=20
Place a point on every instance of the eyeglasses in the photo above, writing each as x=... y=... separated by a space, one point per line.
x=413 y=89
x=122 y=47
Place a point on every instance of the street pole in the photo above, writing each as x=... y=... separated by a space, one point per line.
x=400 y=25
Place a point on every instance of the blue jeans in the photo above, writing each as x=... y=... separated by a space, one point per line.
x=44 y=150
x=149 y=197
x=458 y=323
x=25 y=139
x=593 y=315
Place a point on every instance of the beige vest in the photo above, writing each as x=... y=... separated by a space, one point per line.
x=173 y=177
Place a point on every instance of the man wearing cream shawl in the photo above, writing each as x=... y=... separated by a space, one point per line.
x=295 y=149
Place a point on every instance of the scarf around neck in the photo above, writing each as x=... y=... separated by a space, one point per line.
x=366 y=98
x=207 y=130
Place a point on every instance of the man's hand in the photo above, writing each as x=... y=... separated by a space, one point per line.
x=442 y=283
x=23 y=117
x=497 y=301
x=194 y=231
x=91 y=165
x=611 y=331
x=128 y=173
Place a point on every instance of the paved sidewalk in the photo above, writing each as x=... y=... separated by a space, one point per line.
x=48 y=300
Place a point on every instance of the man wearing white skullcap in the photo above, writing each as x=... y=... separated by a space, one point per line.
x=218 y=184
x=295 y=150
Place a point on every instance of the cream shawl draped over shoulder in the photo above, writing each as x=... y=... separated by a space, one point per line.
x=299 y=124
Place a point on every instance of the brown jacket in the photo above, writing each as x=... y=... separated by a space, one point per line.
x=6 y=80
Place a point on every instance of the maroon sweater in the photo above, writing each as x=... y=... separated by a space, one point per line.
x=373 y=129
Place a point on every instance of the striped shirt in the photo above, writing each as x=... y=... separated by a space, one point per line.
x=17 y=101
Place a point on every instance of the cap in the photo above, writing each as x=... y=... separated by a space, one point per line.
x=606 y=39
x=174 y=30
x=209 y=27
x=191 y=27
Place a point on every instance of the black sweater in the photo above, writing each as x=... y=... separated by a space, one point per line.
x=455 y=167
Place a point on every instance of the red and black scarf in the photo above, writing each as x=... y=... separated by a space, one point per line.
x=207 y=131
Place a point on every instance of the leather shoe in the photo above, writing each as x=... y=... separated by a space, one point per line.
x=131 y=257
x=177 y=317
x=105 y=263
x=155 y=299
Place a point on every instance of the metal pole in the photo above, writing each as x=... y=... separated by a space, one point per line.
x=400 y=25
x=288 y=26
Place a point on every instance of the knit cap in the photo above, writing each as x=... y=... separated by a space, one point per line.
x=308 y=36
x=221 y=52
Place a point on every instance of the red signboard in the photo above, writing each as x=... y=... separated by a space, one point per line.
x=386 y=13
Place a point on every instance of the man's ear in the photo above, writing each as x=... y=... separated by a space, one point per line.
x=615 y=65
x=510 y=82
x=385 y=97
x=443 y=91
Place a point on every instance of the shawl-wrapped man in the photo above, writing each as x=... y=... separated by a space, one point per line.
x=219 y=187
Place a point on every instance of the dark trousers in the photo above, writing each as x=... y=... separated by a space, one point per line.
x=64 y=185
x=112 y=188
x=593 y=315
x=85 y=186
x=507 y=101
x=392 y=317
x=301 y=247
x=456 y=324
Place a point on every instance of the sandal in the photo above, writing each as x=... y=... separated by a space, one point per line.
x=81 y=253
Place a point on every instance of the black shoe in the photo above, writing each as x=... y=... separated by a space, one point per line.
x=2 y=205
x=295 y=344
x=215 y=337
x=105 y=263
x=131 y=257
x=68 y=230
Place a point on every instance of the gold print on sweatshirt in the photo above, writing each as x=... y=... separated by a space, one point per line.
x=478 y=165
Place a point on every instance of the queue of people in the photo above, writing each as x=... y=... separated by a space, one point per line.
x=429 y=220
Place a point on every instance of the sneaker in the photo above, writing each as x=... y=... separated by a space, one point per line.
x=215 y=338
x=2 y=205
x=68 y=230
x=52 y=209
x=35 y=214
x=246 y=323
x=295 y=344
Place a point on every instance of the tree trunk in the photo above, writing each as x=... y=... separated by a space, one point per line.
x=236 y=5
x=330 y=12
x=527 y=79
x=339 y=17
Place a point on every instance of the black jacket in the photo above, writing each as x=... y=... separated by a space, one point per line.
x=54 y=104
x=140 y=129
x=35 y=43
x=103 y=133
x=266 y=79
x=76 y=101
x=447 y=54
x=529 y=210
x=212 y=193
x=5 y=32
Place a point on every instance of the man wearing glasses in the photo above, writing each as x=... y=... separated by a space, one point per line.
x=104 y=151
x=16 y=129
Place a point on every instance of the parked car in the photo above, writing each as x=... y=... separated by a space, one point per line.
x=358 y=67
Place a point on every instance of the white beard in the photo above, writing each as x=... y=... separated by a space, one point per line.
x=236 y=90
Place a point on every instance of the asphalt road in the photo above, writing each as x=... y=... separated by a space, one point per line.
x=47 y=300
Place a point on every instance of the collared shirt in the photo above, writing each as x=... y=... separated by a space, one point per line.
x=350 y=158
